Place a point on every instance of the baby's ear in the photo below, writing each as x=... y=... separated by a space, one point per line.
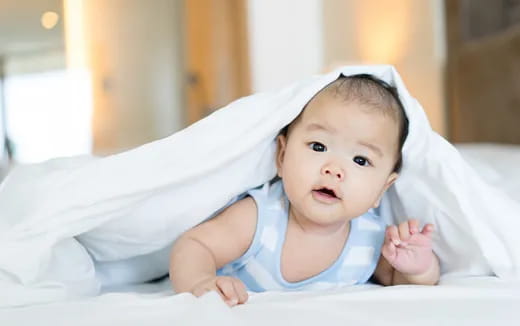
x=391 y=179
x=281 y=142
x=389 y=182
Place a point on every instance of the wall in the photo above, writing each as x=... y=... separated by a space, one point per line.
x=292 y=39
x=3 y=150
x=134 y=55
x=285 y=41
x=134 y=51
x=408 y=34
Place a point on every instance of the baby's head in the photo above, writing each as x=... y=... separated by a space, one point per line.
x=340 y=155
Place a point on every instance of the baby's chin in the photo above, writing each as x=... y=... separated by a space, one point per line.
x=327 y=217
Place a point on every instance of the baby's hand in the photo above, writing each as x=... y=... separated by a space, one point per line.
x=231 y=289
x=408 y=250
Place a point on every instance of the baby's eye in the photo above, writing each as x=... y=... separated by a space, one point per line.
x=360 y=160
x=318 y=147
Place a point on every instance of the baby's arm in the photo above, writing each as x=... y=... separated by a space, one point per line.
x=407 y=256
x=199 y=252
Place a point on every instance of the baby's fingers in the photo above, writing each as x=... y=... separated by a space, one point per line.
x=413 y=226
x=225 y=285
x=241 y=290
x=392 y=235
x=428 y=230
x=389 y=249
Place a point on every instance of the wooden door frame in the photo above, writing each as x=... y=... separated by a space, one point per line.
x=216 y=56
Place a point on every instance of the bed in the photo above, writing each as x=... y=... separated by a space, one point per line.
x=456 y=301
x=470 y=301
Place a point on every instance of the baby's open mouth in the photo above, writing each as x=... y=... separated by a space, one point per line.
x=328 y=192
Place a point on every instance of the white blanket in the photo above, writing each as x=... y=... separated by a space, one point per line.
x=55 y=216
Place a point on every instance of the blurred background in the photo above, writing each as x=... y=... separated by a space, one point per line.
x=103 y=76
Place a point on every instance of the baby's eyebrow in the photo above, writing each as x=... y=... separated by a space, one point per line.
x=373 y=147
x=316 y=126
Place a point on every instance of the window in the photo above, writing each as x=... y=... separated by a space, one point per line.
x=48 y=114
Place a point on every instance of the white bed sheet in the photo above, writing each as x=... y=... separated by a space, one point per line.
x=470 y=301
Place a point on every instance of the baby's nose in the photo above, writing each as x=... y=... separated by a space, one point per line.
x=334 y=171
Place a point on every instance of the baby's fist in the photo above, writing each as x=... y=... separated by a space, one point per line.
x=231 y=289
x=407 y=249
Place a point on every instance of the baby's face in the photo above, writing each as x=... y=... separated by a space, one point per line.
x=337 y=160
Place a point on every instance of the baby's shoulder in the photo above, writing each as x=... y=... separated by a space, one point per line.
x=270 y=198
x=241 y=209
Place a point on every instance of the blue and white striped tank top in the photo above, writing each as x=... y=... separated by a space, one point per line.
x=259 y=267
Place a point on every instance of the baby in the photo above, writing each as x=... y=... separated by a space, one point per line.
x=313 y=227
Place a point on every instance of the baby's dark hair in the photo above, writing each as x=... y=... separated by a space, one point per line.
x=371 y=92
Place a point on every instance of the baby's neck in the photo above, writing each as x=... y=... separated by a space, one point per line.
x=309 y=227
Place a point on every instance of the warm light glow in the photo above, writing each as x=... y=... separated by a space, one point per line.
x=75 y=37
x=49 y=19
x=77 y=55
x=383 y=29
